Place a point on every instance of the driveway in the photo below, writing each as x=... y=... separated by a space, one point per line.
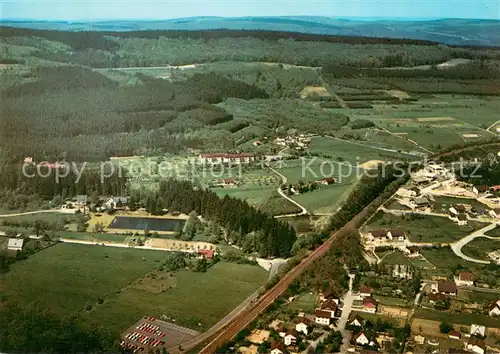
x=457 y=246
x=284 y=180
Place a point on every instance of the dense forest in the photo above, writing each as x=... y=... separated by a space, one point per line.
x=246 y=227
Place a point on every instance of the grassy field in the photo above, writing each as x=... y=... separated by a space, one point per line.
x=195 y=298
x=443 y=203
x=421 y=228
x=457 y=318
x=91 y=236
x=254 y=194
x=374 y=317
x=391 y=301
x=304 y=303
x=394 y=257
x=48 y=217
x=67 y=278
x=495 y=232
x=445 y=260
x=480 y=247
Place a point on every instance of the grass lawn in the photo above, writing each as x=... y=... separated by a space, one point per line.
x=457 y=318
x=48 y=217
x=443 y=203
x=391 y=301
x=66 y=277
x=394 y=205
x=254 y=194
x=195 y=298
x=90 y=236
x=304 y=303
x=480 y=247
x=349 y=152
x=421 y=228
x=495 y=232
x=445 y=260
x=374 y=317
x=326 y=198
x=393 y=258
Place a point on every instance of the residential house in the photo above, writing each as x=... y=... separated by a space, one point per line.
x=465 y=279
x=445 y=288
x=421 y=202
x=356 y=321
x=228 y=182
x=369 y=305
x=208 y=254
x=15 y=244
x=480 y=189
x=323 y=317
x=402 y=271
x=412 y=251
x=361 y=339
x=329 y=294
x=462 y=219
x=278 y=348
x=383 y=338
x=397 y=234
x=291 y=337
x=419 y=339
x=302 y=325
x=433 y=298
x=478 y=331
x=327 y=181
x=81 y=200
x=377 y=236
x=331 y=306
x=365 y=291
x=460 y=208
x=224 y=158
x=476 y=345
x=494 y=308
x=454 y=335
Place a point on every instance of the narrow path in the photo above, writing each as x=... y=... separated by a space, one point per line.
x=284 y=181
x=31 y=213
x=348 y=299
x=491 y=126
x=332 y=92
x=409 y=140
x=374 y=147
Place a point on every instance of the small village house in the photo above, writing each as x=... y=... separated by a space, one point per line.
x=15 y=244
x=421 y=202
x=331 y=306
x=207 y=254
x=377 y=236
x=291 y=337
x=322 y=317
x=478 y=330
x=454 y=335
x=412 y=251
x=402 y=271
x=369 y=305
x=329 y=294
x=465 y=279
x=356 y=321
x=225 y=158
x=329 y=180
x=396 y=234
x=433 y=298
x=476 y=345
x=278 y=348
x=361 y=339
x=365 y=291
x=462 y=219
x=302 y=325
x=445 y=287
x=494 y=308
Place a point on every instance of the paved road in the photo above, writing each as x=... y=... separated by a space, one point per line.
x=284 y=181
x=31 y=212
x=457 y=246
x=349 y=297
x=491 y=126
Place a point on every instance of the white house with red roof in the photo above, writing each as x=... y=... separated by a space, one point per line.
x=369 y=305
x=365 y=291
x=222 y=158
x=208 y=254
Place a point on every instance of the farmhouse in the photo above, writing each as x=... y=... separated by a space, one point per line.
x=412 y=251
x=330 y=306
x=278 y=348
x=244 y=158
x=445 y=288
x=15 y=244
x=396 y=234
x=356 y=321
x=465 y=279
x=322 y=317
x=208 y=254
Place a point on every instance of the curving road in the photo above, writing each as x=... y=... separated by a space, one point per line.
x=284 y=181
x=457 y=246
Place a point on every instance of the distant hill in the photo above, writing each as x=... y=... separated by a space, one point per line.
x=446 y=31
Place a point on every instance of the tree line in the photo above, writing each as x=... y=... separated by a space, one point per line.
x=245 y=226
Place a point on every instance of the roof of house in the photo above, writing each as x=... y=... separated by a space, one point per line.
x=460 y=208
x=397 y=232
x=278 y=345
x=323 y=314
x=303 y=320
x=15 y=243
x=492 y=305
x=477 y=342
x=477 y=329
x=462 y=217
x=227 y=180
x=421 y=200
x=466 y=276
x=369 y=302
x=455 y=334
x=329 y=293
x=482 y=188
x=365 y=289
x=329 y=179
x=358 y=318
x=379 y=233
x=292 y=332
x=355 y=338
x=436 y=297
x=206 y=253
x=329 y=305
x=447 y=287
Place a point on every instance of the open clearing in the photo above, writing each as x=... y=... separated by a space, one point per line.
x=314 y=91
x=66 y=278
x=435 y=119
x=421 y=228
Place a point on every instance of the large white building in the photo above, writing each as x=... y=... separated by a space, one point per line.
x=224 y=158
x=15 y=244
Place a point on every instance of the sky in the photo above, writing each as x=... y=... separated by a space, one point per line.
x=167 y=9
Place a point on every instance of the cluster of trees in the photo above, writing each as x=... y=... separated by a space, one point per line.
x=83 y=115
x=245 y=226
x=330 y=344
x=34 y=330
x=370 y=329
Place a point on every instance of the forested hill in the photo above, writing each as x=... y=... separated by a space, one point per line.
x=447 y=31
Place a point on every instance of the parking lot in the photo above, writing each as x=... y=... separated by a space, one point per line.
x=151 y=333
